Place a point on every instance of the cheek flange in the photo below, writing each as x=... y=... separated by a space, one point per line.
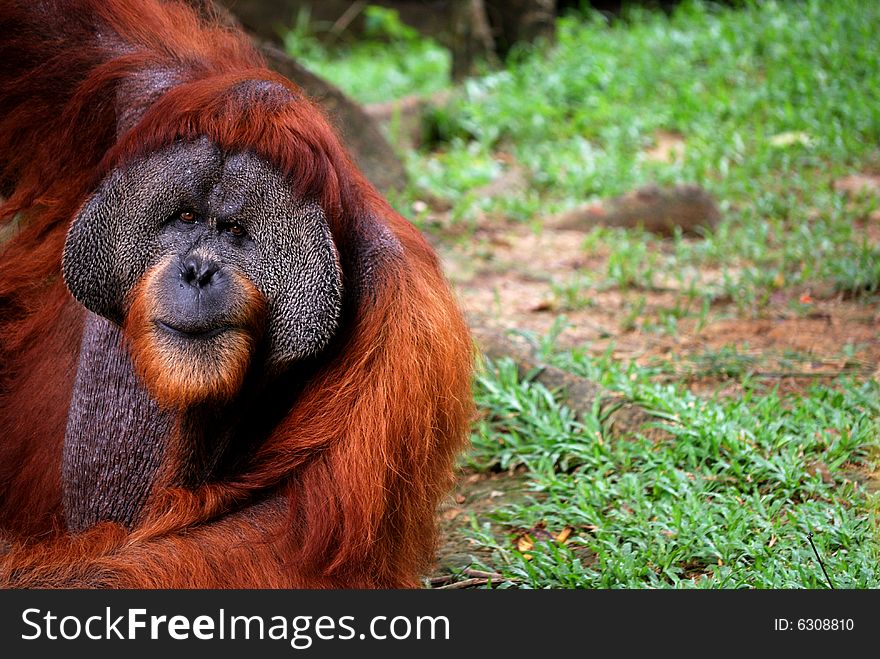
x=114 y=238
x=118 y=236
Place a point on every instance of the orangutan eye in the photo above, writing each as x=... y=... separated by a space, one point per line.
x=234 y=229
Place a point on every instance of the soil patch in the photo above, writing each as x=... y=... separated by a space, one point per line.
x=475 y=498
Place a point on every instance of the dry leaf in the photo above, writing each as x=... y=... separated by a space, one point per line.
x=524 y=542
x=772 y=541
x=563 y=535
x=452 y=513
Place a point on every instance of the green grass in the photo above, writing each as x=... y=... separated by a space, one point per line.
x=391 y=62
x=774 y=101
x=725 y=500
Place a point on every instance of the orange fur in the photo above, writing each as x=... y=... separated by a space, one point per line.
x=343 y=491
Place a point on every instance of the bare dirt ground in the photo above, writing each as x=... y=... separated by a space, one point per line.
x=508 y=281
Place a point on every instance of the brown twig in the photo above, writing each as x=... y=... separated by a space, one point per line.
x=480 y=574
x=466 y=583
x=347 y=17
x=476 y=575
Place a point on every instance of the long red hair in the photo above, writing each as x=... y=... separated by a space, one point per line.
x=367 y=449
